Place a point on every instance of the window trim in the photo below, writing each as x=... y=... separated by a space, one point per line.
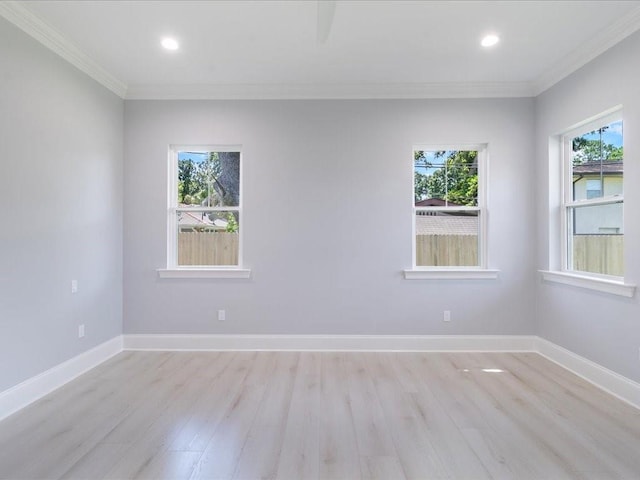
x=173 y=270
x=567 y=202
x=480 y=271
x=595 y=282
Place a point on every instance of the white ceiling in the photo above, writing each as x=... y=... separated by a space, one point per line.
x=272 y=49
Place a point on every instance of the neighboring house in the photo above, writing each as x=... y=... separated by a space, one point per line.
x=590 y=178
x=444 y=223
x=594 y=180
x=435 y=202
x=200 y=221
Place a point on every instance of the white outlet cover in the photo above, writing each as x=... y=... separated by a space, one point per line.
x=74 y=286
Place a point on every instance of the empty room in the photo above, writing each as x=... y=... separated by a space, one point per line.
x=322 y=239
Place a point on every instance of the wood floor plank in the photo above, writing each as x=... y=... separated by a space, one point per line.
x=497 y=439
x=221 y=456
x=415 y=448
x=338 y=447
x=300 y=454
x=261 y=452
x=333 y=416
x=435 y=415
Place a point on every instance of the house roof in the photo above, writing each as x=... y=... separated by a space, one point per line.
x=594 y=167
x=197 y=219
x=446 y=225
x=436 y=202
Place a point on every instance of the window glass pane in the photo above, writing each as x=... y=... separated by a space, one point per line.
x=597 y=163
x=447 y=239
x=445 y=178
x=208 y=238
x=597 y=239
x=208 y=179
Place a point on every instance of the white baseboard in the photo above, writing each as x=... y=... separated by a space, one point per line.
x=616 y=384
x=34 y=388
x=354 y=343
x=608 y=380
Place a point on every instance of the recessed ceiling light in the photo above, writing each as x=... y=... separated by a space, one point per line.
x=493 y=370
x=170 y=43
x=489 y=40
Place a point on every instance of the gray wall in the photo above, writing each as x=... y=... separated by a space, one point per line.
x=600 y=327
x=327 y=199
x=61 y=217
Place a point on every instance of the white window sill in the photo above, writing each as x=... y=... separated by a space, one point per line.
x=204 y=273
x=605 y=285
x=451 y=274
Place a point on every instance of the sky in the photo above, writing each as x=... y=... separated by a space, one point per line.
x=197 y=157
x=612 y=135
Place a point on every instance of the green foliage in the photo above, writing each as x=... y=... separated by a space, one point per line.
x=420 y=188
x=454 y=179
x=196 y=180
x=232 y=223
x=186 y=184
x=587 y=150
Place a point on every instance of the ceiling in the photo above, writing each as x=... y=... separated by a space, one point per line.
x=326 y=49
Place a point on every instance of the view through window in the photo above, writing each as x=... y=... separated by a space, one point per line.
x=204 y=212
x=594 y=199
x=447 y=208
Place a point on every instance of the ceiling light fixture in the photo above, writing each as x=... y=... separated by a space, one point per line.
x=489 y=40
x=170 y=43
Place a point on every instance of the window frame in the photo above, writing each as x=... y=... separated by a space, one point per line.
x=560 y=179
x=173 y=270
x=568 y=205
x=480 y=271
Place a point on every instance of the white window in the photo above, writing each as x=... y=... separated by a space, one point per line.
x=204 y=214
x=593 y=198
x=449 y=211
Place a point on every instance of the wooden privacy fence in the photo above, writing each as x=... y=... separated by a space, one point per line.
x=446 y=250
x=599 y=254
x=207 y=248
x=591 y=253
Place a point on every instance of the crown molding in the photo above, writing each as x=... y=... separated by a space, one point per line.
x=24 y=19
x=328 y=91
x=588 y=51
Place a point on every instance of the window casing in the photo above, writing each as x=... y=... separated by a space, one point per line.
x=204 y=214
x=449 y=208
x=592 y=204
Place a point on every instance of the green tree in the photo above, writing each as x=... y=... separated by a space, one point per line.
x=232 y=223
x=587 y=149
x=456 y=178
x=186 y=181
x=205 y=177
x=227 y=182
x=420 y=188
x=420 y=180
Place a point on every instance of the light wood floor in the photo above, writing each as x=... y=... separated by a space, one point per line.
x=287 y=415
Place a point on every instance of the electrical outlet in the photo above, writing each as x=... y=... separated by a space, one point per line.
x=74 y=286
x=222 y=315
x=447 y=316
x=81 y=331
